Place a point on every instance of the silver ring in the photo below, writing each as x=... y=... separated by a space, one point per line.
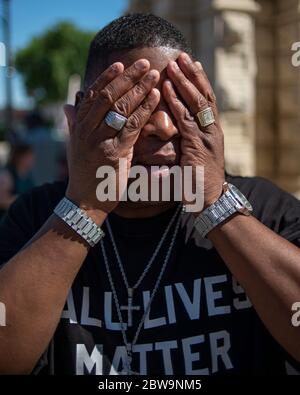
x=206 y=117
x=115 y=120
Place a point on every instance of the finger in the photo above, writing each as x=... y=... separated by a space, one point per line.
x=133 y=98
x=138 y=119
x=186 y=121
x=106 y=77
x=187 y=90
x=91 y=93
x=195 y=73
x=113 y=91
x=176 y=106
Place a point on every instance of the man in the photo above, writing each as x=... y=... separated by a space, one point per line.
x=162 y=292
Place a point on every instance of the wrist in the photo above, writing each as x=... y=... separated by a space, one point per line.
x=232 y=201
x=80 y=221
x=97 y=214
x=211 y=198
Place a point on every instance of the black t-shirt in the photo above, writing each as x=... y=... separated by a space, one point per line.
x=200 y=321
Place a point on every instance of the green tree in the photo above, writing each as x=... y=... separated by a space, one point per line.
x=48 y=61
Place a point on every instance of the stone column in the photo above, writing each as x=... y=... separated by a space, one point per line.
x=278 y=99
x=266 y=126
x=288 y=97
x=227 y=50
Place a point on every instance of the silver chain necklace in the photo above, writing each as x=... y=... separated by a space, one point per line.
x=130 y=307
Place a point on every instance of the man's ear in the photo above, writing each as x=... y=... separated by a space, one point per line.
x=78 y=98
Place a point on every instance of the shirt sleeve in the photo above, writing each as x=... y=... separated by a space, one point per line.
x=275 y=208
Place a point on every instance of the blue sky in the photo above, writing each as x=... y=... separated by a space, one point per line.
x=31 y=17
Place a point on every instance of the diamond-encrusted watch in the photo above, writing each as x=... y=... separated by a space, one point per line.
x=78 y=220
x=231 y=201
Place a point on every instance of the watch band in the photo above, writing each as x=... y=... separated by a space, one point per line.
x=215 y=214
x=78 y=220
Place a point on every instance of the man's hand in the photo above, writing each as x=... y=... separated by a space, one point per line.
x=93 y=144
x=187 y=94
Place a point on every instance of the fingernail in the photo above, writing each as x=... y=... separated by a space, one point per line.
x=141 y=64
x=168 y=83
x=186 y=58
x=175 y=65
x=115 y=67
x=155 y=92
x=90 y=94
x=199 y=65
x=152 y=75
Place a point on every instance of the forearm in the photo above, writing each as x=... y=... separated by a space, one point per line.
x=268 y=268
x=34 y=288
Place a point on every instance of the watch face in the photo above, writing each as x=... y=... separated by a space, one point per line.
x=240 y=197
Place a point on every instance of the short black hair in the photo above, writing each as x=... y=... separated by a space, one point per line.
x=132 y=31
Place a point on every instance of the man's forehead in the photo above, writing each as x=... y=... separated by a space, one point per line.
x=158 y=57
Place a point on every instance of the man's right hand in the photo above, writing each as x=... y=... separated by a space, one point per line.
x=129 y=92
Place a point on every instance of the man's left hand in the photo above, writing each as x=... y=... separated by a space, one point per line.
x=188 y=92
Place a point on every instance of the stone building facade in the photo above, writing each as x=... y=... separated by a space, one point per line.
x=245 y=48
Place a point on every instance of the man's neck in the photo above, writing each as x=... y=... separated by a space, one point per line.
x=130 y=210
